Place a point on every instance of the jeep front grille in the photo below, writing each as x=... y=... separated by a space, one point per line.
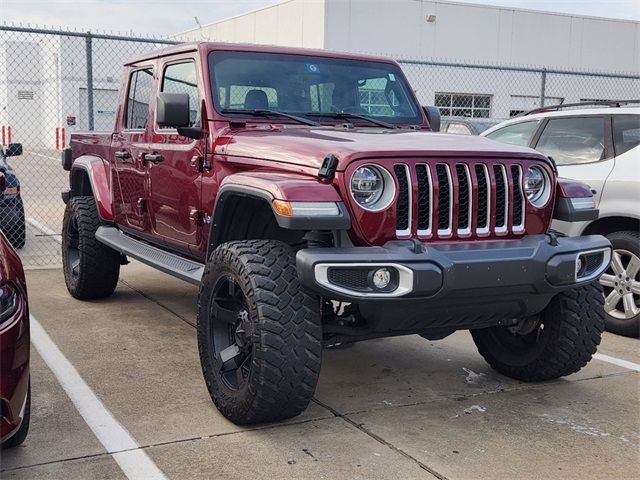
x=459 y=200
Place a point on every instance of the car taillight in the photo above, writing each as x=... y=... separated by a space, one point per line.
x=8 y=302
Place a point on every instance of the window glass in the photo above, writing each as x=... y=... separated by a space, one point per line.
x=182 y=78
x=571 y=141
x=516 y=134
x=140 y=85
x=463 y=105
x=300 y=84
x=626 y=132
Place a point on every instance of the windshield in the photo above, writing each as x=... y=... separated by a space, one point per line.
x=303 y=85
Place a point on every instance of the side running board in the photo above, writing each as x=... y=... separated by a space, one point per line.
x=175 y=265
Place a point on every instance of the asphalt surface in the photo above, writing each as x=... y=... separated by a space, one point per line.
x=403 y=408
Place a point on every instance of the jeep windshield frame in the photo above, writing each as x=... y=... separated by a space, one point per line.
x=307 y=85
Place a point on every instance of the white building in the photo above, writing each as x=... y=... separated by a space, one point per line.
x=457 y=33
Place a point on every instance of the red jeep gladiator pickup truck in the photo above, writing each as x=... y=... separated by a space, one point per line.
x=308 y=196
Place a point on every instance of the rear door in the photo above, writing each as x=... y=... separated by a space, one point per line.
x=127 y=149
x=173 y=166
x=581 y=147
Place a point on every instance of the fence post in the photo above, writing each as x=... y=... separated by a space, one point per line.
x=89 y=53
x=543 y=86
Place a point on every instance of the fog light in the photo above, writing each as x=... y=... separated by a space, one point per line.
x=578 y=266
x=381 y=278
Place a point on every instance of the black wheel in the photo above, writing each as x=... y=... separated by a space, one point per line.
x=259 y=333
x=621 y=283
x=21 y=434
x=16 y=233
x=557 y=342
x=91 y=268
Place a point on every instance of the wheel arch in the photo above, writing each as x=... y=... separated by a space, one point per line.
x=90 y=176
x=607 y=225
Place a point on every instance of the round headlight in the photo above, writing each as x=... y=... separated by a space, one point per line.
x=372 y=187
x=536 y=186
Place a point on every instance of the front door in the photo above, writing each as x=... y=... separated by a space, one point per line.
x=128 y=146
x=173 y=165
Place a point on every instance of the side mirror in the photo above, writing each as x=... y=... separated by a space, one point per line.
x=13 y=150
x=3 y=183
x=433 y=116
x=172 y=110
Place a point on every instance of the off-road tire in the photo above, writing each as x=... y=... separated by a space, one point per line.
x=629 y=241
x=286 y=333
x=99 y=267
x=22 y=432
x=573 y=324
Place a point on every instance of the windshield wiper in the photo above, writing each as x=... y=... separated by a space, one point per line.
x=347 y=115
x=267 y=113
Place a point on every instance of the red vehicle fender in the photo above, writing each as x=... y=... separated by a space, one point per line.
x=90 y=175
x=568 y=188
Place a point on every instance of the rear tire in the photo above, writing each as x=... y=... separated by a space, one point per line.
x=17 y=231
x=91 y=269
x=19 y=437
x=259 y=333
x=563 y=340
x=620 y=318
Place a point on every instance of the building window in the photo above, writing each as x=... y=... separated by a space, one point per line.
x=463 y=104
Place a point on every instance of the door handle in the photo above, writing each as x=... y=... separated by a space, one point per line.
x=123 y=154
x=152 y=157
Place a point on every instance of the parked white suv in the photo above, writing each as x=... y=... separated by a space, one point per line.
x=600 y=147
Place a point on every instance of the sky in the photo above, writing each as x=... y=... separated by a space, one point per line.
x=165 y=17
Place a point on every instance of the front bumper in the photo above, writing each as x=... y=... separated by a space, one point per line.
x=483 y=281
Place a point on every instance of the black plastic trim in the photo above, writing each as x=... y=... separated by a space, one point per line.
x=565 y=212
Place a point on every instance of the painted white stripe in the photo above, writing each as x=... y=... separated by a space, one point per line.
x=43 y=156
x=617 y=361
x=134 y=462
x=45 y=230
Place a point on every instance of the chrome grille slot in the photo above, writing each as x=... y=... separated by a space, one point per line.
x=518 y=199
x=403 y=205
x=484 y=199
x=445 y=199
x=425 y=199
x=502 y=198
x=464 y=199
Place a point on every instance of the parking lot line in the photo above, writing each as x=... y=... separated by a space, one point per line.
x=617 y=361
x=44 y=229
x=134 y=462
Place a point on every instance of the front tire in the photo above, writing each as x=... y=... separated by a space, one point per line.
x=559 y=342
x=259 y=333
x=621 y=283
x=91 y=269
x=17 y=232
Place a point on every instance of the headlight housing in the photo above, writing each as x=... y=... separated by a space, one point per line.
x=537 y=186
x=8 y=301
x=372 y=187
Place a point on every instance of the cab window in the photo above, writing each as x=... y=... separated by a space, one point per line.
x=626 y=132
x=140 y=84
x=574 y=140
x=183 y=78
x=515 y=134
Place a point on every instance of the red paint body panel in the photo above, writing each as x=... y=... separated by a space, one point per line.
x=14 y=344
x=160 y=201
x=568 y=188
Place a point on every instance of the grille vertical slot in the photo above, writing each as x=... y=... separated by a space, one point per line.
x=403 y=205
x=484 y=199
x=502 y=198
x=518 y=198
x=425 y=199
x=464 y=199
x=445 y=200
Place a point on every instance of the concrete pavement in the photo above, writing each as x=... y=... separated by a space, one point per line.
x=394 y=408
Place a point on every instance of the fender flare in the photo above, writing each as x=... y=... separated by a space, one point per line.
x=94 y=170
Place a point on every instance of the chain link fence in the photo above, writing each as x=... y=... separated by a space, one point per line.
x=54 y=83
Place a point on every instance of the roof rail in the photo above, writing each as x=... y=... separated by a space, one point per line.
x=599 y=103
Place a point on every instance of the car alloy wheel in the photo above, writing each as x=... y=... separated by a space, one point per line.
x=621 y=284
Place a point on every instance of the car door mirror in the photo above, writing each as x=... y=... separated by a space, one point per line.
x=172 y=111
x=433 y=117
x=13 y=150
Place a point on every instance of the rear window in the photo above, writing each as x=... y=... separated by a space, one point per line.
x=626 y=132
x=140 y=84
